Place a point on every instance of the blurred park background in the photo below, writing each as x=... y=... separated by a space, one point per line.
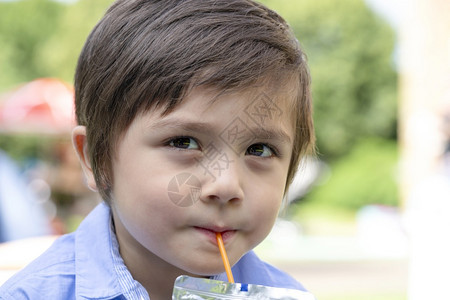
x=368 y=217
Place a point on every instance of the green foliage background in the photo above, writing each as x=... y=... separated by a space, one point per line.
x=350 y=56
x=366 y=175
x=354 y=83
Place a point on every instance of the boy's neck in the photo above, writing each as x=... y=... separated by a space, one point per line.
x=156 y=276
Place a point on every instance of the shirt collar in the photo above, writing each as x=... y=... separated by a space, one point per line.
x=131 y=288
x=96 y=277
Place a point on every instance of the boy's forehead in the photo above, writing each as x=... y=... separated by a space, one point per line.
x=258 y=109
x=261 y=95
x=254 y=102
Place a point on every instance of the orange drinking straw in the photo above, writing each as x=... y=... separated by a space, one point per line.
x=226 y=263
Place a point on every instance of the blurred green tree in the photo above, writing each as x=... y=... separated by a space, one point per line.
x=64 y=45
x=366 y=175
x=43 y=38
x=354 y=81
x=354 y=84
x=25 y=27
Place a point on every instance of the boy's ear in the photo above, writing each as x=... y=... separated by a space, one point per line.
x=79 y=141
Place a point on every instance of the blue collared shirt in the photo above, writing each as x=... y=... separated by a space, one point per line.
x=86 y=264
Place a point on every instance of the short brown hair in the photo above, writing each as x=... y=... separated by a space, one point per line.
x=146 y=53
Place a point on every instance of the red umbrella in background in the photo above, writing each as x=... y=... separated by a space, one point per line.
x=44 y=105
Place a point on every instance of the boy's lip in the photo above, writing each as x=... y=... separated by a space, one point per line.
x=214 y=228
x=210 y=232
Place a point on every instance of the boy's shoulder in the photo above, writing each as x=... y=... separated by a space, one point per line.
x=49 y=274
x=78 y=264
x=251 y=269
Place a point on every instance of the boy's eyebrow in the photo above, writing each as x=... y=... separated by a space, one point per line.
x=182 y=124
x=254 y=132
x=272 y=133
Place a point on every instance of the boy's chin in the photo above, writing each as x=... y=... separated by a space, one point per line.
x=204 y=270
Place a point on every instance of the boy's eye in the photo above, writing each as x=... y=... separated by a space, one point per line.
x=184 y=143
x=261 y=150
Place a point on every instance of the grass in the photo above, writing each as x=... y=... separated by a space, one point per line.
x=318 y=219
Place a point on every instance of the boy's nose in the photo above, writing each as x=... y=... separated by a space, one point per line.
x=225 y=187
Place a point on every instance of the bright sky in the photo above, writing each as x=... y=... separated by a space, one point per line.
x=390 y=10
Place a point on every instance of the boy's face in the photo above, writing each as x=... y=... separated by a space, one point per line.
x=209 y=165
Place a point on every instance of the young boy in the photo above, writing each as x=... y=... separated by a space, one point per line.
x=193 y=116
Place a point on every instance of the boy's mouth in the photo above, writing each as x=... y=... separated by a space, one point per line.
x=210 y=232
